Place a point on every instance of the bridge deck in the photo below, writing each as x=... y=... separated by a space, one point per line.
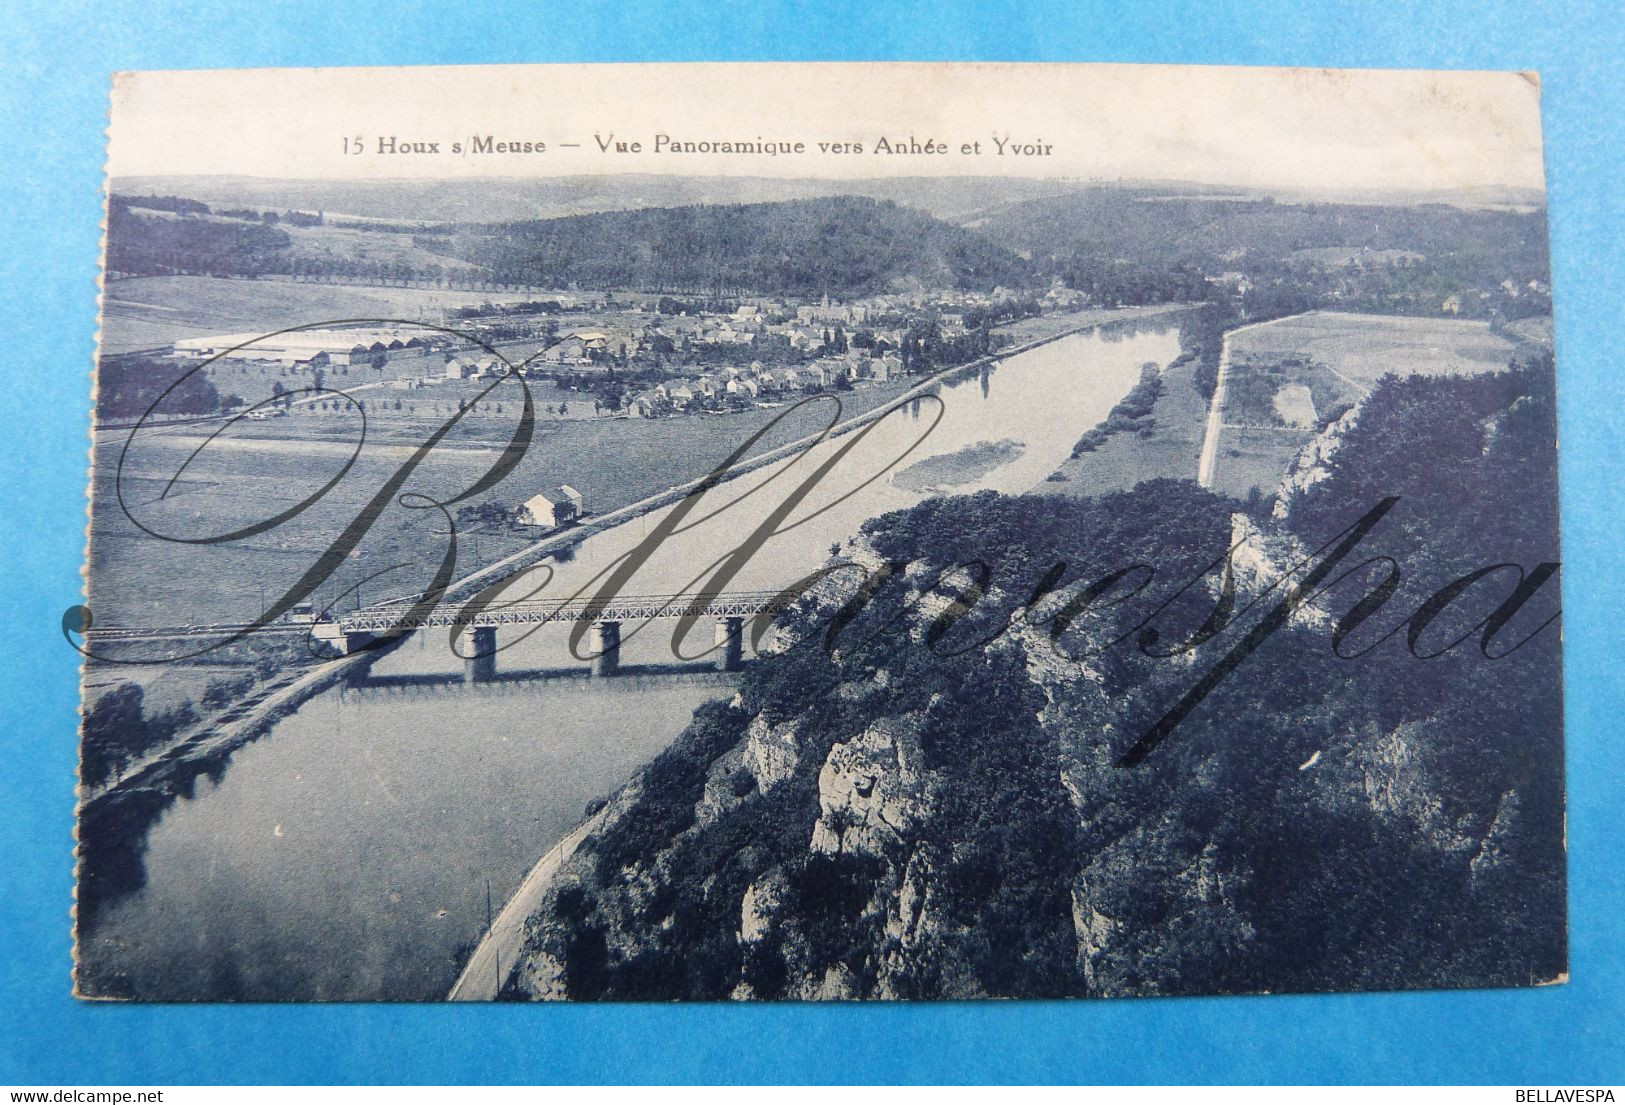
x=622 y=608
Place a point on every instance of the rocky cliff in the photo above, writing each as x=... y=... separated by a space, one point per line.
x=919 y=792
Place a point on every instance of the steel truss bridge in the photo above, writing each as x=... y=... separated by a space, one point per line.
x=622 y=608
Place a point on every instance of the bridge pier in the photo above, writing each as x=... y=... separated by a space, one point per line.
x=477 y=644
x=730 y=639
x=606 y=639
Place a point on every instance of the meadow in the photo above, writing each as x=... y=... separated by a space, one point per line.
x=1364 y=348
x=154 y=311
x=255 y=470
x=1338 y=357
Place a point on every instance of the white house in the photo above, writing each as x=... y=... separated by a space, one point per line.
x=569 y=351
x=552 y=508
x=669 y=389
x=888 y=367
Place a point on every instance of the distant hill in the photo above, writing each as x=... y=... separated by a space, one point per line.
x=965 y=200
x=505 y=199
x=1146 y=226
x=1120 y=245
x=1482 y=255
x=843 y=245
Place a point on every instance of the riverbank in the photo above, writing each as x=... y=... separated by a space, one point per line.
x=1076 y=323
x=113 y=823
x=484 y=976
x=486 y=973
x=139 y=579
x=1165 y=448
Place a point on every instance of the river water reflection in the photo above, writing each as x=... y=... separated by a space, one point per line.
x=347 y=854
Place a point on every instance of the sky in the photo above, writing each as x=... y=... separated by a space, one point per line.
x=1248 y=127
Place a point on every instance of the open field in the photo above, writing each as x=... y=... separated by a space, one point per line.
x=1536 y=333
x=1322 y=363
x=152 y=311
x=257 y=469
x=1287 y=390
x=1363 y=348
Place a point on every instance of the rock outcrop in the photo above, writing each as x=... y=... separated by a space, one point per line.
x=933 y=802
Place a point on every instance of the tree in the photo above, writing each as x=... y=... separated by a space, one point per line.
x=129 y=387
x=108 y=730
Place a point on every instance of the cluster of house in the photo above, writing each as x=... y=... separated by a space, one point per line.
x=583 y=347
x=808 y=327
x=457 y=367
x=580 y=347
x=755 y=382
x=475 y=367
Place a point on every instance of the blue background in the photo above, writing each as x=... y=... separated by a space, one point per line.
x=55 y=65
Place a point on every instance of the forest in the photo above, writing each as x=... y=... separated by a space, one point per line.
x=843 y=245
x=1129 y=246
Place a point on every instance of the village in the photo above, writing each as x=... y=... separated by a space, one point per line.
x=606 y=354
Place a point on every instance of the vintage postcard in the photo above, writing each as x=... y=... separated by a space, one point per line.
x=821 y=532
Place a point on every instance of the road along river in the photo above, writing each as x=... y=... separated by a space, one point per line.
x=358 y=850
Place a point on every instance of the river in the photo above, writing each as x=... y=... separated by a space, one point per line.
x=347 y=854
